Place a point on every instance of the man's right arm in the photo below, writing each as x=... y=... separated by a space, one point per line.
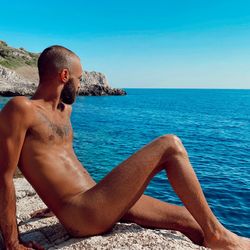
x=14 y=122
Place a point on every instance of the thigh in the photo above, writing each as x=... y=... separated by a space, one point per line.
x=105 y=203
x=125 y=183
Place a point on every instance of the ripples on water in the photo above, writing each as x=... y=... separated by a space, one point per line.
x=214 y=126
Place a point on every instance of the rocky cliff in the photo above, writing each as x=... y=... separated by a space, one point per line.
x=50 y=233
x=19 y=76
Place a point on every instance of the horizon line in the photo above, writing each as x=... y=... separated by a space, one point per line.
x=201 y=88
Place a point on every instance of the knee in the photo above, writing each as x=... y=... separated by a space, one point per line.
x=172 y=145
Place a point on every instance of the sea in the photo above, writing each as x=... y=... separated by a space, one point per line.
x=213 y=124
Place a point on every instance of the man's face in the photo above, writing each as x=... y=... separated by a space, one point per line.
x=69 y=92
x=72 y=86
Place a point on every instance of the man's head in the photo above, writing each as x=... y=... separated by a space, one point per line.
x=61 y=65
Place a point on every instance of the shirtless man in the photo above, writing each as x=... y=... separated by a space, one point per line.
x=36 y=135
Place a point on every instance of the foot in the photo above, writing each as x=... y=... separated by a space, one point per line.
x=228 y=241
x=42 y=213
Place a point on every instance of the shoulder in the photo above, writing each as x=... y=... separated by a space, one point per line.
x=18 y=103
x=17 y=108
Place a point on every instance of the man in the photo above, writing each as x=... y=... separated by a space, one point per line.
x=36 y=135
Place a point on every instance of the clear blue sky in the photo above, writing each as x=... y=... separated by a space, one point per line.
x=188 y=43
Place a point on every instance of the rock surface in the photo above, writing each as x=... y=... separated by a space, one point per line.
x=51 y=234
x=95 y=83
x=19 y=75
x=13 y=84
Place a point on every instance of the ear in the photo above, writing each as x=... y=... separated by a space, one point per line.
x=64 y=75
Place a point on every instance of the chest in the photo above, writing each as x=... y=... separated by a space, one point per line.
x=51 y=128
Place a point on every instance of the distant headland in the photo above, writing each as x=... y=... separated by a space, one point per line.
x=19 y=75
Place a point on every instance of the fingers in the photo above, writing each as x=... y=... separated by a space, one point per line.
x=34 y=245
x=37 y=246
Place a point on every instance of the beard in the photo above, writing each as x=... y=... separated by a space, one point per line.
x=69 y=92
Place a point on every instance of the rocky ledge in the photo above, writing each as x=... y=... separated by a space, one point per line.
x=13 y=84
x=50 y=233
x=19 y=75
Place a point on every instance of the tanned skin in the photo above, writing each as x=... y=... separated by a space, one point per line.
x=36 y=135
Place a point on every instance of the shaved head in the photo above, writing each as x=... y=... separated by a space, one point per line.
x=54 y=59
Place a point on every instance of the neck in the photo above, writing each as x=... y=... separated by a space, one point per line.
x=49 y=93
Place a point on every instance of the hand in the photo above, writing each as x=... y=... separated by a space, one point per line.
x=32 y=245
x=25 y=246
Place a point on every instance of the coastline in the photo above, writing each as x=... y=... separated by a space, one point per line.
x=17 y=82
x=19 y=75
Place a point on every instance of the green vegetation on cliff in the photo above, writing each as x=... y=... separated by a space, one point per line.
x=13 y=58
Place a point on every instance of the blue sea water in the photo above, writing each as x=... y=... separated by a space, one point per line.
x=214 y=126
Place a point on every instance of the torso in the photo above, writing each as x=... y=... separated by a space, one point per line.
x=48 y=160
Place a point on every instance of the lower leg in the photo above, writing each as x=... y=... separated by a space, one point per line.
x=153 y=213
x=185 y=183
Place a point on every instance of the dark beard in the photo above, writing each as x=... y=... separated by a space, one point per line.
x=68 y=94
